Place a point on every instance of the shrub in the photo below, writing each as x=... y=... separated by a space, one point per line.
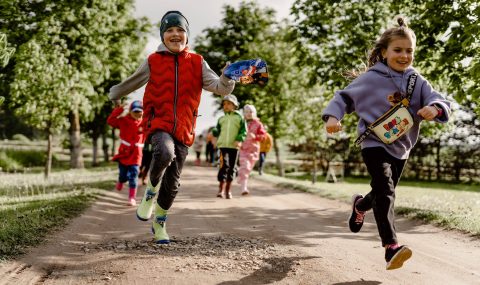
x=8 y=164
x=27 y=158
x=20 y=137
x=18 y=159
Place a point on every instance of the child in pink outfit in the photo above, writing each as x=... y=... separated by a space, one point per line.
x=250 y=149
x=129 y=154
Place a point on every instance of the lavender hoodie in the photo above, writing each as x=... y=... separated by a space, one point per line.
x=367 y=96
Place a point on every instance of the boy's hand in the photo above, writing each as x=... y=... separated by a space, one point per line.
x=117 y=103
x=226 y=65
x=238 y=144
x=428 y=113
x=333 y=125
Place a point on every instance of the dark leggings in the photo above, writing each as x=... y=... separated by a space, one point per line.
x=385 y=171
x=168 y=157
x=228 y=164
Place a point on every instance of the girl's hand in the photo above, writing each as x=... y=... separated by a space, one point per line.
x=428 y=113
x=333 y=125
x=251 y=135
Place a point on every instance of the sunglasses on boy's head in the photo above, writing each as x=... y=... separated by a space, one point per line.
x=138 y=111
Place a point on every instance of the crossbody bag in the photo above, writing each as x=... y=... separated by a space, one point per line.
x=396 y=122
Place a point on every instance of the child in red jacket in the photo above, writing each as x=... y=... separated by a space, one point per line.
x=129 y=154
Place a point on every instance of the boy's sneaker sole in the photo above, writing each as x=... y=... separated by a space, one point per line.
x=402 y=255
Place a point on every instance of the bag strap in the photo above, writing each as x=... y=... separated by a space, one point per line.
x=412 y=80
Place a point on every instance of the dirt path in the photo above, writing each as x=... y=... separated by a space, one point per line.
x=273 y=236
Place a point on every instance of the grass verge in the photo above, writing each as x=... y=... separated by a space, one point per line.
x=32 y=207
x=29 y=224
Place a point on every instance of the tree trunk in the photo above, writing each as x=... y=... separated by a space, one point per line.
x=76 y=153
x=95 y=150
x=314 y=171
x=106 y=157
x=281 y=171
x=437 y=159
x=48 y=163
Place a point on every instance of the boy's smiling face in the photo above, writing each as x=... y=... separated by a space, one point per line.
x=137 y=115
x=175 y=39
x=228 y=106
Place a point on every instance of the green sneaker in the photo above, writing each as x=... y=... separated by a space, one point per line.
x=145 y=209
x=159 y=226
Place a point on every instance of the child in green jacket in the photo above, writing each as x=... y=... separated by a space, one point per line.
x=231 y=132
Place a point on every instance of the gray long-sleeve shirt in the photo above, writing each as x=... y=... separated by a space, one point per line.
x=367 y=96
x=211 y=81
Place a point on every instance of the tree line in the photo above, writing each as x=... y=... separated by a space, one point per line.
x=67 y=55
x=308 y=56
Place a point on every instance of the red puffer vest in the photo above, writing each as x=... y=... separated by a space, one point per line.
x=172 y=94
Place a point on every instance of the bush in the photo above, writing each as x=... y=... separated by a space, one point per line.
x=27 y=158
x=8 y=164
x=20 y=137
x=16 y=160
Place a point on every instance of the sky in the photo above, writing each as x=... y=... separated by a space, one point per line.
x=201 y=15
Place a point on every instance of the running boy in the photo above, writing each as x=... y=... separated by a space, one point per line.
x=370 y=95
x=175 y=78
x=231 y=132
x=129 y=154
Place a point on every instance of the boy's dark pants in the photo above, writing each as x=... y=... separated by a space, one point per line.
x=261 y=161
x=168 y=157
x=385 y=171
x=228 y=164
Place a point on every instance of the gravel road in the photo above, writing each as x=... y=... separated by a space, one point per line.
x=273 y=236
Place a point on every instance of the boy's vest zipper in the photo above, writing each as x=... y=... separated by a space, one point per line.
x=193 y=121
x=152 y=116
x=228 y=126
x=176 y=95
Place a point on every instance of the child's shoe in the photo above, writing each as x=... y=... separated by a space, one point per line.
x=243 y=186
x=228 y=193
x=396 y=256
x=159 y=226
x=145 y=209
x=355 y=222
x=131 y=202
x=221 y=193
x=118 y=186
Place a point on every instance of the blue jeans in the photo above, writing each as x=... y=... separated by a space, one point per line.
x=128 y=173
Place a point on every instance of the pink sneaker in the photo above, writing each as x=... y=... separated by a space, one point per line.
x=119 y=186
